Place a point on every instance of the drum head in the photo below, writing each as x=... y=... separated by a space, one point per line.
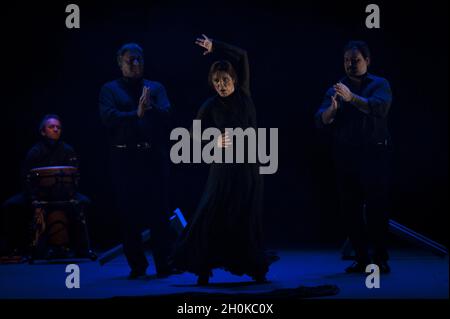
x=50 y=170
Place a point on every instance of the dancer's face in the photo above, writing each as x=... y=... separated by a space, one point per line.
x=132 y=65
x=52 y=129
x=355 y=64
x=223 y=83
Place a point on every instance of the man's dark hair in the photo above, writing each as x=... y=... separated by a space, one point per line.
x=132 y=47
x=222 y=66
x=46 y=118
x=361 y=46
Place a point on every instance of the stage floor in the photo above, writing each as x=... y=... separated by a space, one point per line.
x=416 y=274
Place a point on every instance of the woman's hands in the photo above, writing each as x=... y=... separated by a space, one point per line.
x=205 y=43
x=224 y=140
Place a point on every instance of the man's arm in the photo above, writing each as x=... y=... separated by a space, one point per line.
x=360 y=102
x=378 y=104
x=327 y=111
x=159 y=107
x=109 y=113
x=71 y=157
x=162 y=103
x=31 y=161
x=240 y=56
x=237 y=54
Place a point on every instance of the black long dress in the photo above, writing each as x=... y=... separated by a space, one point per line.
x=226 y=230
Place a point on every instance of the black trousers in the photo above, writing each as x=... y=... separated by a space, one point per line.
x=139 y=178
x=17 y=215
x=363 y=190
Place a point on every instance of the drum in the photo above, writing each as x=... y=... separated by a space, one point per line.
x=53 y=183
x=57 y=228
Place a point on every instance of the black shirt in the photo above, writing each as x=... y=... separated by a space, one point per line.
x=118 y=104
x=353 y=127
x=47 y=152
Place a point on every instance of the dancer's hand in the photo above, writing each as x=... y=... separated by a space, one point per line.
x=205 y=43
x=224 y=141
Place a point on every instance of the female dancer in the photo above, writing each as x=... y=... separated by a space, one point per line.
x=226 y=230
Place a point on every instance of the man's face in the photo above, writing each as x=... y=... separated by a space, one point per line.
x=223 y=83
x=132 y=65
x=354 y=63
x=52 y=129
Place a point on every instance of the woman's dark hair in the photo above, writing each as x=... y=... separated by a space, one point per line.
x=361 y=46
x=46 y=118
x=132 y=47
x=222 y=66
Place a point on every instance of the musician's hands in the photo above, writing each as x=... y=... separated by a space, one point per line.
x=343 y=91
x=224 y=140
x=144 y=102
x=205 y=43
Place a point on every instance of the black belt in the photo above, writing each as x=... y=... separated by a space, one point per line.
x=139 y=146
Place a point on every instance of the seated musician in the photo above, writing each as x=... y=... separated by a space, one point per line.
x=17 y=212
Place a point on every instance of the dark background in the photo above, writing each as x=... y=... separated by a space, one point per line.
x=295 y=54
